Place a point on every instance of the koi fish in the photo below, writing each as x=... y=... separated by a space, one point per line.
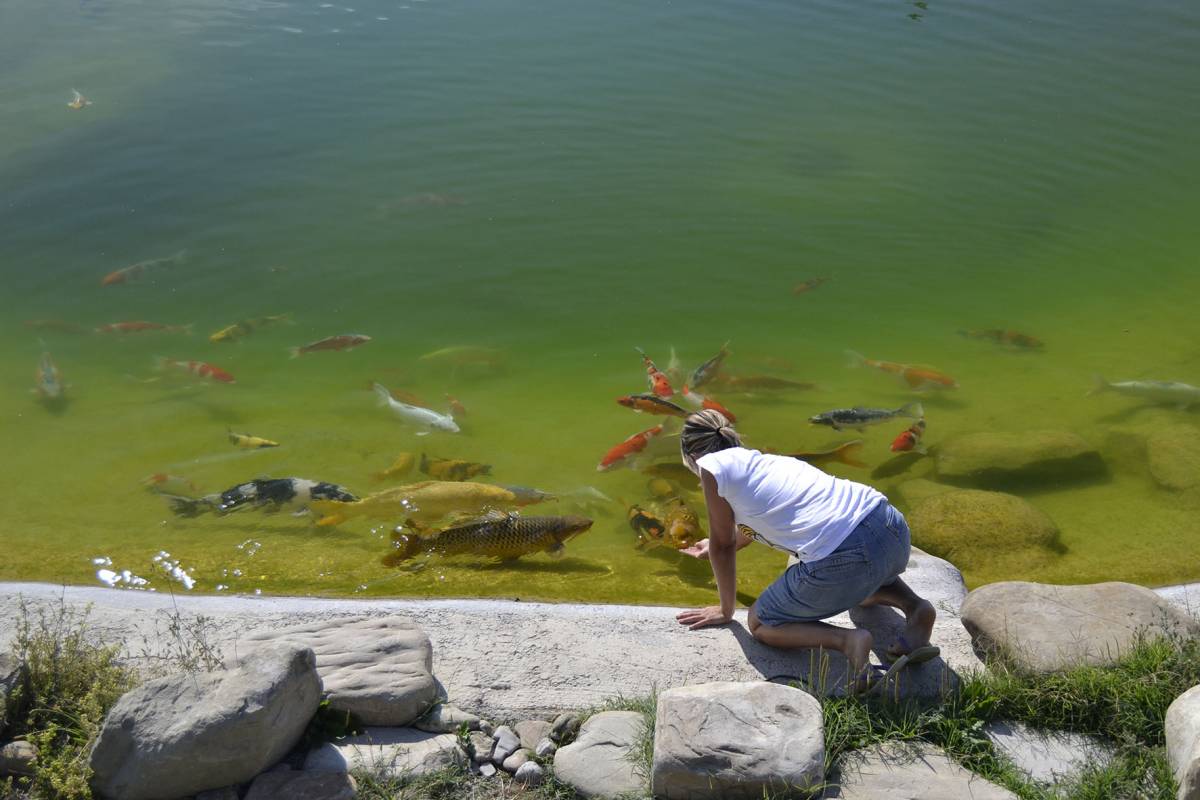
x=246 y=327
x=457 y=410
x=56 y=325
x=164 y=483
x=141 y=326
x=660 y=384
x=200 y=369
x=709 y=369
x=426 y=418
x=427 y=501
x=452 y=469
x=135 y=271
x=674 y=525
x=401 y=466
x=809 y=285
x=674 y=368
x=842 y=454
x=498 y=535
x=631 y=446
x=48 y=386
x=1009 y=338
x=910 y=439
x=916 y=377
x=699 y=401
x=652 y=404
x=648 y=526
x=402 y=395
x=78 y=101
x=1174 y=393
x=859 y=418
x=269 y=494
x=344 y=341
x=248 y=442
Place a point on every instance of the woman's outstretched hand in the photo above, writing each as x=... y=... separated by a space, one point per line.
x=703 y=617
x=698 y=550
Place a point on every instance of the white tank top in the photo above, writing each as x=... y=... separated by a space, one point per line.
x=793 y=506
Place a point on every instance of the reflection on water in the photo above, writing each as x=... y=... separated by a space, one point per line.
x=508 y=203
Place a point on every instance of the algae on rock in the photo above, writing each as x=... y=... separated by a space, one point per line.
x=974 y=529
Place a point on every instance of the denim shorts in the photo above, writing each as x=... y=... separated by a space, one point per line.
x=873 y=555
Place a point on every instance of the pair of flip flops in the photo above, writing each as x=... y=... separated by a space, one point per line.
x=872 y=682
x=910 y=655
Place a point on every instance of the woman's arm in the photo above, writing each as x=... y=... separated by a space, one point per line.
x=723 y=544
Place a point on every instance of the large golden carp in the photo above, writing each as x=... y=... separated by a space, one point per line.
x=502 y=536
x=426 y=502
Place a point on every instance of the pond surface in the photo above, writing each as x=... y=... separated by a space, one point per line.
x=561 y=183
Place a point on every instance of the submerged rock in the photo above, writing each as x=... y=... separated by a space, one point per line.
x=1173 y=454
x=599 y=762
x=909 y=772
x=910 y=494
x=736 y=740
x=999 y=460
x=973 y=528
x=179 y=735
x=1044 y=628
x=1183 y=742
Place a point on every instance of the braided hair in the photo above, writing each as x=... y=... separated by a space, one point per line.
x=706 y=432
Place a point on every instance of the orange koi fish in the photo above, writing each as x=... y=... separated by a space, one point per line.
x=652 y=404
x=135 y=271
x=709 y=369
x=843 y=454
x=699 y=401
x=457 y=410
x=342 y=342
x=660 y=384
x=809 y=285
x=198 y=368
x=631 y=446
x=910 y=439
x=916 y=377
x=1009 y=338
x=141 y=326
x=169 y=484
x=78 y=101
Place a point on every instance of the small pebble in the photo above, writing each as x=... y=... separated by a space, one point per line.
x=482 y=745
x=487 y=727
x=487 y=770
x=530 y=774
x=545 y=748
x=507 y=743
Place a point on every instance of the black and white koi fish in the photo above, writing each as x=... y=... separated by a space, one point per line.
x=859 y=417
x=270 y=494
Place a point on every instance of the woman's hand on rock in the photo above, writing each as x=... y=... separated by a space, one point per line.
x=698 y=550
x=703 y=617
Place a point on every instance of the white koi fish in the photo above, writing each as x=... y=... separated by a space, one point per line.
x=1173 y=393
x=421 y=417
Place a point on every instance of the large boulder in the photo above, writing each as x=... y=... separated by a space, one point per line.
x=1044 y=628
x=1000 y=460
x=179 y=735
x=1183 y=742
x=976 y=529
x=909 y=772
x=600 y=762
x=377 y=668
x=1173 y=454
x=395 y=752
x=736 y=740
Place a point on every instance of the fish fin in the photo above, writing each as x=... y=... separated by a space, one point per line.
x=920 y=448
x=856 y=359
x=848 y=454
x=1098 y=385
x=329 y=510
x=384 y=395
x=422 y=433
x=669 y=424
x=913 y=410
x=404 y=547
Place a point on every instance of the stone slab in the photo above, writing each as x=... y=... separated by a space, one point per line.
x=302 y=786
x=1047 y=758
x=395 y=752
x=900 y=772
x=600 y=762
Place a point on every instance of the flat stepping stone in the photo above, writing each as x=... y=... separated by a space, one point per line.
x=1046 y=628
x=909 y=772
x=1183 y=742
x=395 y=752
x=600 y=762
x=380 y=669
x=1047 y=758
x=736 y=740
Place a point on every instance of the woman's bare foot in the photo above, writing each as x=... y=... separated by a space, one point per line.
x=857 y=651
x=918 y=628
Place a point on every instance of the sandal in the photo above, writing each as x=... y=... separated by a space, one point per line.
x=918 y=655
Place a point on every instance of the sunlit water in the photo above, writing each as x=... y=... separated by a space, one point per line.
x=564 y=182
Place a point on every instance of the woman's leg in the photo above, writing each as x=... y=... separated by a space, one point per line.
x=853 y=643
x=919 y=613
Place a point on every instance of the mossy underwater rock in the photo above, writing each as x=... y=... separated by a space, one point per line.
x=972 y=528
x=998 y=460
x=1174 y=457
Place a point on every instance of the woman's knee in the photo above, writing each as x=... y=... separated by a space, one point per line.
x=753 y=622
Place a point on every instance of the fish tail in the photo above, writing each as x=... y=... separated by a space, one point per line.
x=294 y=352
x=1099 y=385
x=329 y=511
x=848 y=454
x=856 y=359
x=913 y=410
x=382 y=392
x=404 y=547
x=188 y=506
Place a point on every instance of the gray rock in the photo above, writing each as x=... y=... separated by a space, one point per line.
x=16 y=758
x=1183 y=742
x=224 y=793
x=182 y=734
x=736 y=740
x=600 y=762
x=444 y=718
x=1046 y=628
x=564 y=726
x=1046 y=757
x=997 y=460
x=302 y=786
x=487 y=727
x=532 y=731
x=483 y=745
x=975 y=529
x=377 y=668
x=394 y=752
x=898 y=772
x=507 y=743
x=514 y=762
x=10 y=676
x=1173 y=454
x=487 y=770
x=545 y=748
x=530 y=774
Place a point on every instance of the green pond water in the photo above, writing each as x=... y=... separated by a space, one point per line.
x=563 y=182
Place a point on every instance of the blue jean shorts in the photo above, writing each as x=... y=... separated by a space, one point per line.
x=873 y=555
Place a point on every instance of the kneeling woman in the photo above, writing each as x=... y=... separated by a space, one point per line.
x=851 y=545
